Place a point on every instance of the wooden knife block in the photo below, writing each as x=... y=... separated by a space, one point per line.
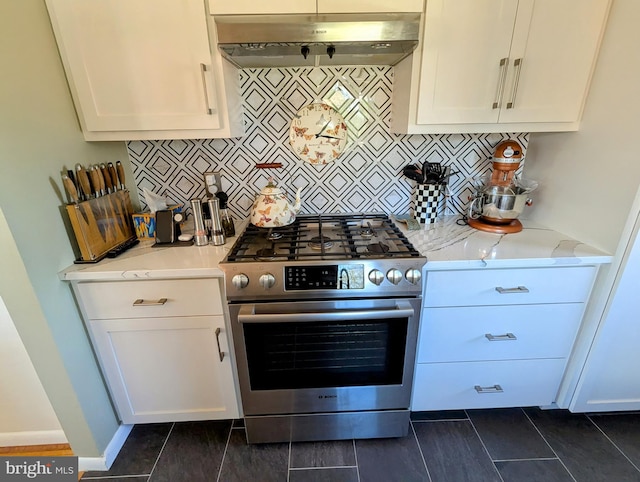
x=101 y=224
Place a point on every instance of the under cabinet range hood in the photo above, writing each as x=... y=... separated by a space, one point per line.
x=251 y=41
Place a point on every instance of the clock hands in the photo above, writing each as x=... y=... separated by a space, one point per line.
x=328 y=137
x=319 y=134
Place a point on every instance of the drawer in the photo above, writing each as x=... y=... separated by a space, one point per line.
x=446 y=386
x=508 y=286
x=160 y=298
x=498 y=332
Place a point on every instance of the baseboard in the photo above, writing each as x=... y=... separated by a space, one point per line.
x=36 y=437
x=110 y=453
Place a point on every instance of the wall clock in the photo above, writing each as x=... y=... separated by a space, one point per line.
x=318 y=134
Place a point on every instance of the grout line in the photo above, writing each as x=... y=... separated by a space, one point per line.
x=548 y=444
x=289 y=462
x=530 y=459
x=161 y=450
x=612 y=442
x=224 y=454
x=441 y=420
x=293 y=469
x=355 y=455
x=415 y=437
x=473 y=426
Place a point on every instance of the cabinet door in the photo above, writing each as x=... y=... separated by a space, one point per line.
x=552 y=56
x=249 y=7
x=167 y=369
x=369 y=6
x=137 y=65
x=465 y=51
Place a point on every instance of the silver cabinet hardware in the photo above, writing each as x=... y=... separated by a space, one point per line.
x=203 y=70
x=492 y=389
x=505 y=337
x=141 y=302
x=518 y=66
x=220 y=352
x=504 y=64
x=506 y=291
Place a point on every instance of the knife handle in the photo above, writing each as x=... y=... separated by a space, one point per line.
x=114 y=176
x=120 y=170
x=106 y=178
x=71 y=188
x=83 y=181
x=95 y=180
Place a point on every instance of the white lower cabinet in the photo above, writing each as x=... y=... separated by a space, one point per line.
x=163 y=348
x=497 y=337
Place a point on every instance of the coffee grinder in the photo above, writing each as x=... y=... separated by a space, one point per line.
x=501 y=197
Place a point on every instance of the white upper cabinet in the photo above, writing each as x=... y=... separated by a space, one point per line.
x=499 y=66
x=141 y=69
x=252 y=7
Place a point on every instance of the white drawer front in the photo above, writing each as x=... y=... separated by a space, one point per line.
x=159 y=298
x=508 y=286
x=498 y=332
x=446 y=386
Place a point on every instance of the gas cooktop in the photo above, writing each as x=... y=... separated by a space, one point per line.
x=317 y=237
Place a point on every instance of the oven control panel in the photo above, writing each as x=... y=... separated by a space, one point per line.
x=328 y=277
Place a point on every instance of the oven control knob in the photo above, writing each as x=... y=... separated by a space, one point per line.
x=394 y=275
x=240 y=281
x=413 y=276
x=267 y=280
x=376 y=277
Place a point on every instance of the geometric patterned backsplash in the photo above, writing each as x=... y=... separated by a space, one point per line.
x=366 y=178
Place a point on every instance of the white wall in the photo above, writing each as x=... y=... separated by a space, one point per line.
x=26 y=416
x=39 y=134
x=588 y=179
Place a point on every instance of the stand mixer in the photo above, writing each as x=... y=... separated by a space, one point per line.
x=501 y=197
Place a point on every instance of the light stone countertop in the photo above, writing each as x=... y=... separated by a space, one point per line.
x=446 y=244
x=449 y=245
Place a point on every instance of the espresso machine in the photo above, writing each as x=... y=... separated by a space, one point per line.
x=501 y=196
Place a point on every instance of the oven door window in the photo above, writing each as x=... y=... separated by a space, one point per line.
x=325 y=354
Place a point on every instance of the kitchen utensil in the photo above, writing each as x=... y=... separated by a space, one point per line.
x=413 y=172
x=120 y=171
x=106 y=176
x=217 y=232
x=199 y=230
x=114 y=176
x=272 y=209
x=83 y=182
x=71 y=188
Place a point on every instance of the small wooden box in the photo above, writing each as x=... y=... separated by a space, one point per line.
x=101 y=224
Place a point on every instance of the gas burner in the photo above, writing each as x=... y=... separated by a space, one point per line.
x=377 y=248
x=368 y=231
x=274 y=235
x=266 y=254
x=320 y=242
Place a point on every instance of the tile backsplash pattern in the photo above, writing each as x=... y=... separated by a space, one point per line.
x=366 y=178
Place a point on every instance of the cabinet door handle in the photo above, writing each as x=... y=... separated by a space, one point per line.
x=220 y=352
x=203 y=74
x=504 y=63
x=518 y=66
x=505 y=337
x=141 y=302
x=492 y=389
x=507 y=291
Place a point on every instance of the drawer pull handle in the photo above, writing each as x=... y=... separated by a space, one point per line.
x=220 y=352
x=493 y=389
x=505 y=337
x=141 y=302
x=506 y=291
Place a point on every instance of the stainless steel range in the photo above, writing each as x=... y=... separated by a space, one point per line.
x=324 y=318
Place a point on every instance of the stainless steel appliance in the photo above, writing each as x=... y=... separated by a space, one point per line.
x=251 y=41
x=324 y=317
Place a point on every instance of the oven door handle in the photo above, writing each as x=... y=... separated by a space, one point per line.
x=247 y=314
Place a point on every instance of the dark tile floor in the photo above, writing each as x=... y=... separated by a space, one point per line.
x=501 y=445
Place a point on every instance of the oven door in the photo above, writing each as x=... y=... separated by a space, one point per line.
x=325 y=356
